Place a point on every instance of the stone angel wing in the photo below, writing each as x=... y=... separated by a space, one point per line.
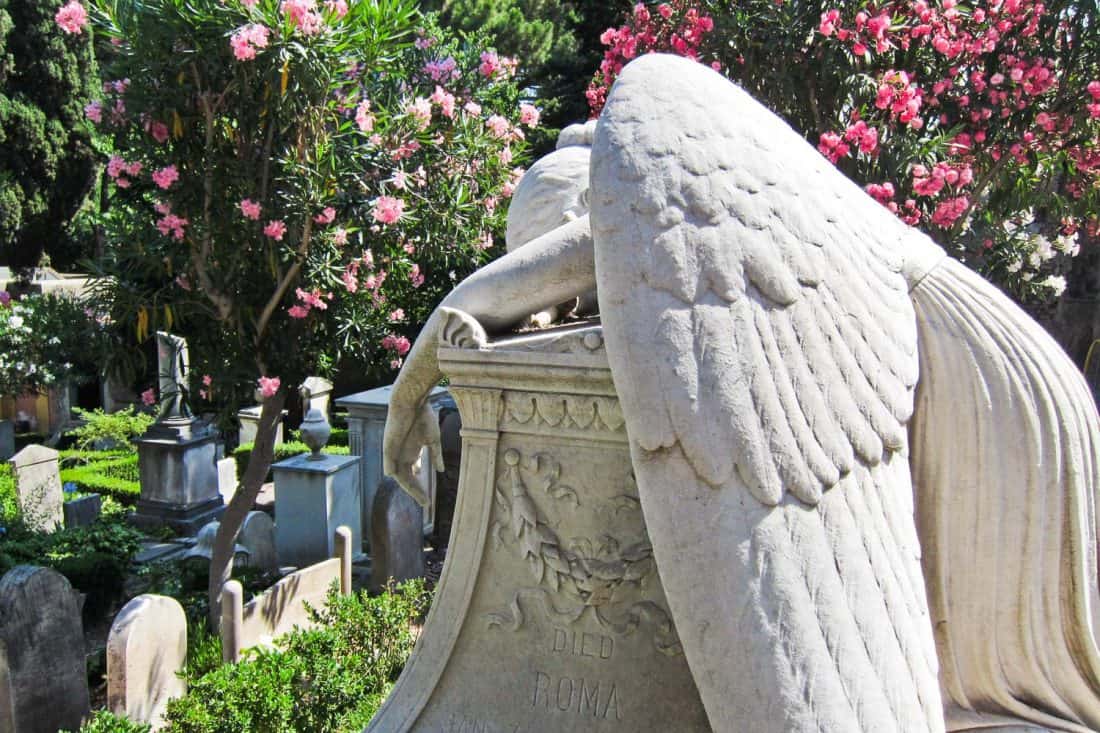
x=763 y=346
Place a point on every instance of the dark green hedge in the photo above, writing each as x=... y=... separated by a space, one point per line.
x=111 y=473
x=282 y=452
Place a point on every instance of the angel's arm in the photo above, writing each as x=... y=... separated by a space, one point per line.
x=548 y=270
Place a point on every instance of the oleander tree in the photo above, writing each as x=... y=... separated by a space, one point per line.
x=293 y=182
x=47 y=161
x=977 y=122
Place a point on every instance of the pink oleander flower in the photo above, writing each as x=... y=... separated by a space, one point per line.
x=275 y=229
x=116 y=166
x=396 y=363
x=94 y=111
x=249 y=3
x=340 y=237
x=489 y=65
x=149 y=397
x=400 y=179
x=387 y=209
x=269 y=386
x=313 y=299
x=207 y=380
x=397 y=315
x=421 y=111
x=250 y=209
x=528 y=115
x=247 y=39
x=415 y=276
x=183 y=282
x=327 y=216
x=166 y=176
x=172 y=225
x=303 y=15
x=159 y=131
x=498 y=126
x=393 y=342
x=72 y=18
x=472 y=108
x=297 y=311
x=338 y=7
x=363 y=118
x=445 y=100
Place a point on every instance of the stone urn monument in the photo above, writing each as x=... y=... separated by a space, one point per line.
x=549 y=615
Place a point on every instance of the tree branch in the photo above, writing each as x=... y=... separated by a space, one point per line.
x=287 y=280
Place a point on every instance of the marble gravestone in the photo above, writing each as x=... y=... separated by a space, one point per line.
x=176 y=455
x=38 y=487
x=396 y=536
x=43 y=686
x=257 y=536
x=550 y=615
x=366 y=424
x=146 y=652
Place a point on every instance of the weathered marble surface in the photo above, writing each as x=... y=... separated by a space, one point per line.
x=282 y=606
x=38 y=487
x=146 y=649
x=763 y=318
x=43 y=686
x=550 y=615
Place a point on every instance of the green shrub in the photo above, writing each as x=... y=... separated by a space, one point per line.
x=325 y=680
x=111 y=473
x=282 y=452
x=9 y=505
x=93 y=558
x=116 y=428
x=339 y=437
x=103 y=721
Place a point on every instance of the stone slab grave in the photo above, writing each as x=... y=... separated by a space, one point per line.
x=550 y=615
x=7 y=439
x=366 y=425
x=84 y=511
x=146 y=649
x=38 y=487
x=43 y=685
x=257 y=536
x=227 y=478
x=249 y=421
x=396 y=536
x=283 y=606
x=312 y=499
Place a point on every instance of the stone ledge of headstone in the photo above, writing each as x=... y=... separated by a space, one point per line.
x=82 y=512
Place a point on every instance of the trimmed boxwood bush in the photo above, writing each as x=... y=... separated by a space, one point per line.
x=282 y=452
x=111 y=473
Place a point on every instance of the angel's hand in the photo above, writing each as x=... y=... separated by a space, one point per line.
x=408 y=429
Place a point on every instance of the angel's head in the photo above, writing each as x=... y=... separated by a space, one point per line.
x=554 y=191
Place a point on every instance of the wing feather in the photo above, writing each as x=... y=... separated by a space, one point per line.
x=763 y=347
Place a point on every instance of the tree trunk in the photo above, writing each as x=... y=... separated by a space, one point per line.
x=259 y=463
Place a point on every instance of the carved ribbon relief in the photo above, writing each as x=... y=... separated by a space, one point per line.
x=609 y=578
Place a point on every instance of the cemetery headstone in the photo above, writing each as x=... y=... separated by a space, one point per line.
x=366 y=426
x=179 y=480
x=396 y=536
x=257 y=536
x=550 y=616
x=284 y=605
x=84 y=511
x=146 y=649
x=7 y=439
x=44 y=685
x=248 y=420
x=319 y=396
x=227 y=478
x=38 y=487
x=314 y=494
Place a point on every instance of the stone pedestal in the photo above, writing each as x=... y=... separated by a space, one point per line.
x=366 y=426
x=7 y=439
x=550 y=615
x=313 y=499
x=179 y=480
x=249 y=420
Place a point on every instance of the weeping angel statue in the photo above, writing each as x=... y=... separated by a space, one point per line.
x=869 y=479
